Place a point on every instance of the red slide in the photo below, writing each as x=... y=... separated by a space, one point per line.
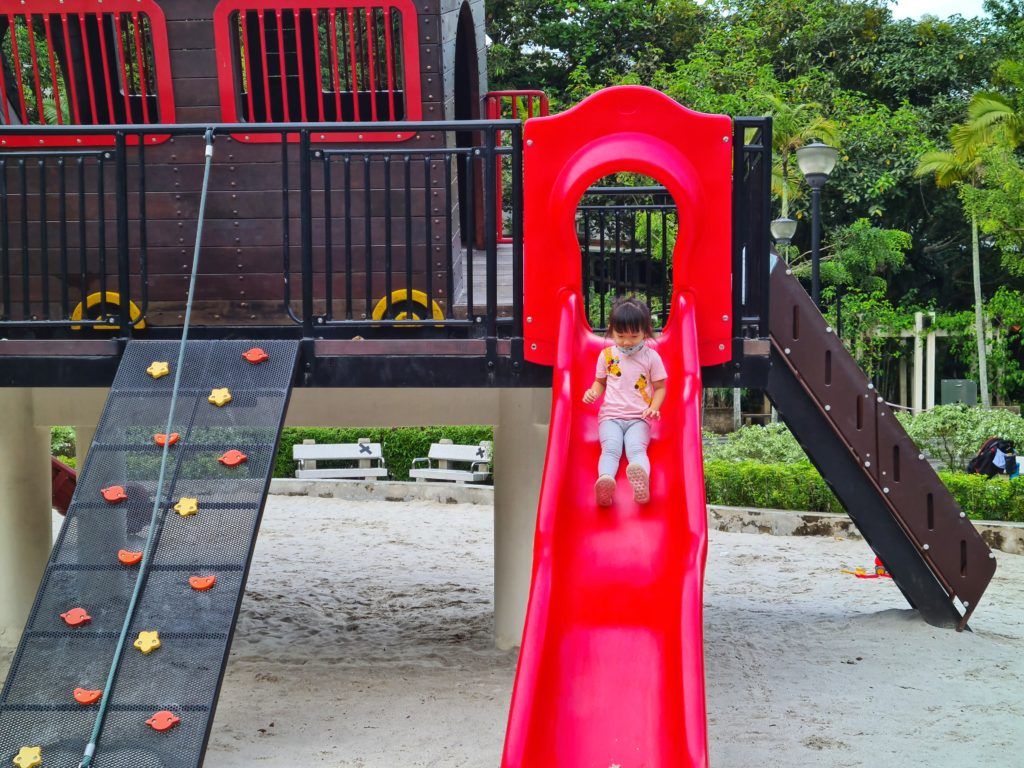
x=611 y=671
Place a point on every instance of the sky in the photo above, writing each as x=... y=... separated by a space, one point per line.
x=916 y=8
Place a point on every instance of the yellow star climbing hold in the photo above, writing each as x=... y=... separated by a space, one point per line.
x=187 y=506
x=29 y=757
x=148 y=642
x=158 y=370
x=220 y=397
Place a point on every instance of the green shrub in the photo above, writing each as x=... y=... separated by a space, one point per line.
x=800 y=487
x=62 y=441
x=954 y=433
x=399 y=445
x=768 y=444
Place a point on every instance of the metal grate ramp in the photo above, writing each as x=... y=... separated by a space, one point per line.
x=183 y=676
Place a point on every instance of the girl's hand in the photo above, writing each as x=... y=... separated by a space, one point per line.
x=652 y=413
x=590 y=396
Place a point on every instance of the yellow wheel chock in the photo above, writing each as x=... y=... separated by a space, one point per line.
x=187 y=507
x=29 y=757
x=147 y=642
x=158 y=370
x=220 y=397
x=95 y=301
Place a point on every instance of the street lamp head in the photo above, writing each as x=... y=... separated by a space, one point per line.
x=816 y=162
x=783 y=230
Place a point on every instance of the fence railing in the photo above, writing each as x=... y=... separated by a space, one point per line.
x=376 y=237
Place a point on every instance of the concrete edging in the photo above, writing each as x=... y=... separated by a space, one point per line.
x=1002 y=536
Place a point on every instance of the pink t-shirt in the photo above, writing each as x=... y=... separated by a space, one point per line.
x=628 y=380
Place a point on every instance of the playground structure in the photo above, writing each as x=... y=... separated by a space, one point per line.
x=614 y=618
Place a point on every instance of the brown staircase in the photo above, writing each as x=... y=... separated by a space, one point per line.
x=905 y=513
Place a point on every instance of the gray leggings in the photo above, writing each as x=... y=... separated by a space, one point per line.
x=634 y=434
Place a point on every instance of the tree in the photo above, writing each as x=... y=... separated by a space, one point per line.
x=962 y=168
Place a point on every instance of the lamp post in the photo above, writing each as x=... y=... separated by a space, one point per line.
x=816 y=162
x=783 y=230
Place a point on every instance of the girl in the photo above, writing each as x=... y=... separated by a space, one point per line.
x=631 y=376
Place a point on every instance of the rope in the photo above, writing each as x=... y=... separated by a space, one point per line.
x=90 y=749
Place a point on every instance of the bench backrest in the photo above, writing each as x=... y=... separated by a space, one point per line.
x=468 y=453
x=336 y=451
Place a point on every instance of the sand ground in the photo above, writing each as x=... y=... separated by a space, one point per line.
x=365 y=642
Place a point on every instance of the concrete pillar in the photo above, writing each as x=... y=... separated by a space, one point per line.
x=918 y=399
x=929 y=376
x=83 y=439
x=520 y=442
x=25 y=511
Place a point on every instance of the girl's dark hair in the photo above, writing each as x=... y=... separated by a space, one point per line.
x=630 y=315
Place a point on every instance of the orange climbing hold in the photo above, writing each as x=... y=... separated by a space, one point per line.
x=202 y=583
x=161 y=439
x=76 y=617
x=163 y=721
x=256 y=356
x=87 y=697
x=29 y=757
x=233 y=458
x=115 y=494
x=220 y=397
x=129 y=558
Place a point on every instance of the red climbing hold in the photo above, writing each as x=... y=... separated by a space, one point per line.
x=233 y=458
x=76 y=617
x=129 y=558
x=256 y=356
x=202 y=583
x=160 y=438
x=85 y=697
x=114 y=494
x=163 y=721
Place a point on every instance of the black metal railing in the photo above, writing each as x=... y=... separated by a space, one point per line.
x=627 y=235
x=98 y=238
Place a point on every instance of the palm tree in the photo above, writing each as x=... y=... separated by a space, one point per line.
x=794 y=125
x=962 y=166
x=993 y=117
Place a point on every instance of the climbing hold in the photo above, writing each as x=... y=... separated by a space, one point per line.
x=147 y=642
x=86 y=697
x=76 y=617
x=158 y=370
x=187 y=506
x=114 y=494
x=220 y=397
x=129 y=558
x=233 y=458
x=161 y=439
x=163 y=721
x=202 y=583
x=29 y=757
x=256 y=356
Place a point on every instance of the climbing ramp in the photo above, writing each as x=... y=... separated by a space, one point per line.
x=935 y=555
x=200 y=561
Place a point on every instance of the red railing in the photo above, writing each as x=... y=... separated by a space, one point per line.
x=517 y=105
x=304 y=60
x=77 y=62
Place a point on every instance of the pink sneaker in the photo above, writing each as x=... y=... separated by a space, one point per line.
x=604 y=489
x=641 y=483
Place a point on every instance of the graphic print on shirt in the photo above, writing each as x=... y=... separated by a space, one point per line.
x=641 y=387
x=611 y=362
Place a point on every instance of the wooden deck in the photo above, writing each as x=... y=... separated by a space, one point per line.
x=461 y=303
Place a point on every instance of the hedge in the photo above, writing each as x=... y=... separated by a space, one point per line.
x=399 y=445
x=800 y=487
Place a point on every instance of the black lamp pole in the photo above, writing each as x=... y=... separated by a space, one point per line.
x=816 y=244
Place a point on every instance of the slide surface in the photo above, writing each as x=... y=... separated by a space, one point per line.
x=611 y=671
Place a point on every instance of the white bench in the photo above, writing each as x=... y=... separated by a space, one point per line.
x=437 y=465
x=366 y=462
